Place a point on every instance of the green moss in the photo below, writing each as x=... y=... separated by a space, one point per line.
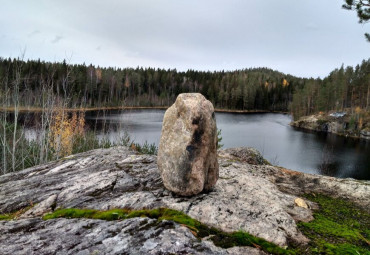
x=6 y=216
x=219 y=237
x=241 y=238
x=114 y=214
x=14 y=215
x=339 y=227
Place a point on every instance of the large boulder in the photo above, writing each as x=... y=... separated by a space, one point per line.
x=187 y=155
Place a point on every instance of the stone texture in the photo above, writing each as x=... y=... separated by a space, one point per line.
x=258 y=199
x=87 y=236
x=41 y=208
x=187 y=155
x=244 y=154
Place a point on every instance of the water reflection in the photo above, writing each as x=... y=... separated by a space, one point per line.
x=271 y=134
x=328 y=165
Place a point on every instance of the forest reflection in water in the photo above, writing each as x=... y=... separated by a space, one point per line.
x=270 y=133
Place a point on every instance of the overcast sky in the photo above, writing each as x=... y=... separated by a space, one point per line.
x=307 y=38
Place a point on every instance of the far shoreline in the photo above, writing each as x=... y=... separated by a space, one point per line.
x=90 y=109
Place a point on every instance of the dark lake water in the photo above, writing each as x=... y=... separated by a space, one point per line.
x=270 y=133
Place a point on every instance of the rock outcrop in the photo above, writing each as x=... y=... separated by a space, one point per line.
x=321 y=123
x=88 y=236
x=187 y=155
x=334 y=123
x=259 y=199
x=245 y=154
x=365 y=133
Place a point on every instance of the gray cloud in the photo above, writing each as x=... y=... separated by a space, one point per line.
x=57 y=39
x=305 y=38
x=33 y=33
x=312 y=26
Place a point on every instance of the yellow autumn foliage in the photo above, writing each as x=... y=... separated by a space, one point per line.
x=127 y=81
x=360 y=117
x=285 y=83
x=63 y=131
x=98 y=73
x=360 y=123
x=358 y=110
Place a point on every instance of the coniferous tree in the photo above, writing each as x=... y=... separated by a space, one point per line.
x=362 y=7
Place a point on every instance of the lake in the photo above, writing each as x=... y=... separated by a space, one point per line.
x=270 y=133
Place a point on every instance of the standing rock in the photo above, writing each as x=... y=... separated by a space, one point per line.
x=187 y=155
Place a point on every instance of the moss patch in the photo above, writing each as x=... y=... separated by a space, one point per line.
x=6 y=216
x=220 y=238
x=339 y=227
x=14 y=215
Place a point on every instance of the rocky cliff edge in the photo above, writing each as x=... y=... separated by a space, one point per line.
x=249 y=196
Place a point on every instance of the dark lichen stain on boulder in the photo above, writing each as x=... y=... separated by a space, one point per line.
x=191 y=148
x=197 y=136
x=198 y=130
x=185 y=171
x=196 y=121
x=196 y=141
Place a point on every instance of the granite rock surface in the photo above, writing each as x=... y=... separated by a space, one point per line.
x=259 y=199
